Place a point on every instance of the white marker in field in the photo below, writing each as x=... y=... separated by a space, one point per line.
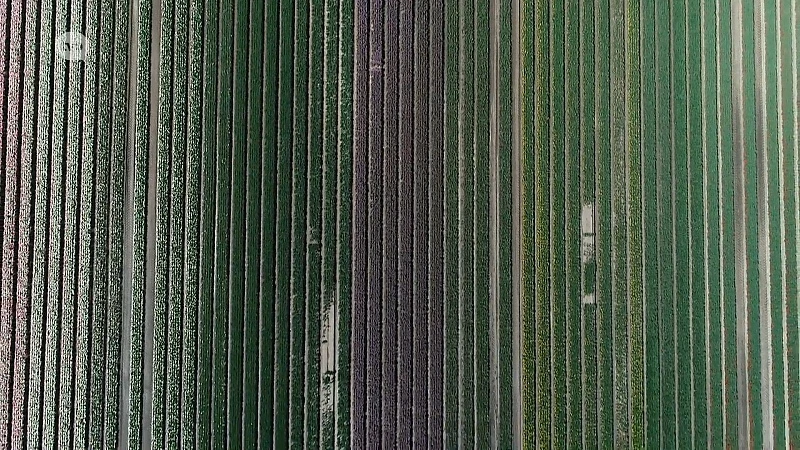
x=587 y=245
x=587 y=233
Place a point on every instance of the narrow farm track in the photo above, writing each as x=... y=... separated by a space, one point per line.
x=395 y=223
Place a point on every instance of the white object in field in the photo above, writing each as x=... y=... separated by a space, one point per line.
x=587 y=233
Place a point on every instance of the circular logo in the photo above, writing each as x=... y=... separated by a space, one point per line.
x=72 y=46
